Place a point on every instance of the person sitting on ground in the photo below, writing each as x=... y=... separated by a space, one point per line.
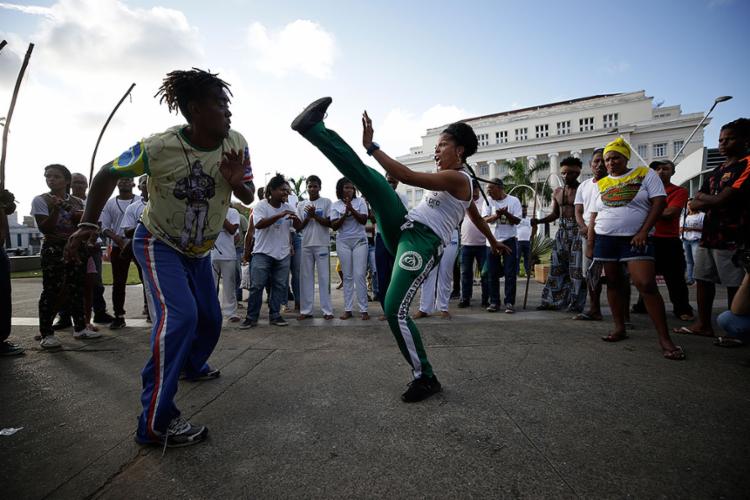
x=272 y=218
x=736 y=321
x=629 y=203
x=415 y=237
x=723 y=197
x=348 y=219
x=670 y=258
x=565 y=287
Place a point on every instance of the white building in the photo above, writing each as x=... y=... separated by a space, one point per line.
x=22 y=238
x=551 y=132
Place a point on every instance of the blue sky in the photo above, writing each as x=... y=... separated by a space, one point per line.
x=411 y=64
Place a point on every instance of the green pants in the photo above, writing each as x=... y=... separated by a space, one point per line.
x=416 y=247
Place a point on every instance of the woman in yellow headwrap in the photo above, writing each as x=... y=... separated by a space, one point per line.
x=629 y=202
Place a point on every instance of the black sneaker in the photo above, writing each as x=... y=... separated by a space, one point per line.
x=421 y=388
x=313 y=113
x=209 y=375
x=117 y=323
x=248 y=323
x=10 y=349
x=62 y=324
x=179 y=433
x=463 y=304
x=103 y=318
x=279 y=322
x=492 y=308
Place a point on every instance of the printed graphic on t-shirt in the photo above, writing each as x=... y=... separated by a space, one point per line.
x=196 y=189
x=618 y=192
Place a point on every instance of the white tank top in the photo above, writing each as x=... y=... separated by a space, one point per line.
x=441 y=211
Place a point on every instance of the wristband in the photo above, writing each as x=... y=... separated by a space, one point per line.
x=373 y=147
x=89 y=225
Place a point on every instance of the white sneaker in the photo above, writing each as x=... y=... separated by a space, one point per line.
x=50 y=342
x=86 y=334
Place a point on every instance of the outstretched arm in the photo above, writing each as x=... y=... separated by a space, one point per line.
x=446 y=180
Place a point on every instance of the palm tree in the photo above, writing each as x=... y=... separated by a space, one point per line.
x=518 y=173
x=297 y=186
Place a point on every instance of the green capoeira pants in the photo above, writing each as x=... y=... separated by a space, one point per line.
x=416 y=247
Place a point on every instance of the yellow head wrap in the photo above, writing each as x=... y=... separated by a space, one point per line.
x=620 y=146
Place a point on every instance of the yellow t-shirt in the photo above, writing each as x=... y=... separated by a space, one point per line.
x=188 y=196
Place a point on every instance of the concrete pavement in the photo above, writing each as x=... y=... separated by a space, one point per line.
x=534 y=405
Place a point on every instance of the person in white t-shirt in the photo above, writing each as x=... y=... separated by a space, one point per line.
x=315 y=215
x=473 y=249
x=129 y=222
x=504 y=210
x=692 y=227
x=436 y=289
x=272 y=219
x=348 y=219
x=224 y=263
x=523 y=233
x=629 y=202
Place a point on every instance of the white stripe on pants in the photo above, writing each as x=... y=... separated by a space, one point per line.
x=353 y=256
x=442 y=276
x=225 y=270
x=315 y=257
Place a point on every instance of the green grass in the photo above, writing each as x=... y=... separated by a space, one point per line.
x=133 y=278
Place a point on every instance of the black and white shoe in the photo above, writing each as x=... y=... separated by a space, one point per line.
x=10 y=349
x=209 y=375
x=421 y=388
x=117 y=323
x=279 y=322
x=179 y=433
x=248 y=323
x=313 y=113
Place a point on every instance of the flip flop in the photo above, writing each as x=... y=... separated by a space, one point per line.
x=586 y=317
x=615 y=338
x=683 y=330
x=728 y=342
x=677 y=354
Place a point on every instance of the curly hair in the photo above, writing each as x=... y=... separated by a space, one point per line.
x=275 y=182
x=180 y=87
x=464 y=136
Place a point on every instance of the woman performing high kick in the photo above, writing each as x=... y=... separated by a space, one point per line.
x=416 y=238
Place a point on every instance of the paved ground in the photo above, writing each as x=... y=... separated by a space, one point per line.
x=535 y=405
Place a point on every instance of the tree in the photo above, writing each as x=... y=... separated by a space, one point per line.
x=518 y=173
x=297 y=186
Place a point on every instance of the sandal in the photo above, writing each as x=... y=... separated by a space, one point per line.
x=728 y=342
x=684 y=330
x=615 y=337
x=677 y=354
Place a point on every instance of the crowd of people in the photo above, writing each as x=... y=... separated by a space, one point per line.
x=196 y=254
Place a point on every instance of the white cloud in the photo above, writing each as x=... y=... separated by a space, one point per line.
x=28 y=9
x=301 y=46
x=616 y=67
x=401 y=130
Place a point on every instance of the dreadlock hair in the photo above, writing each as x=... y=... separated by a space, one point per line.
x=180 y=87
x=741 y=127
x=276 y=182
x=65 y=173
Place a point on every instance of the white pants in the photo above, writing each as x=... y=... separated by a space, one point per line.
x=353 y=256
x=225 y=270
x=442 y=278
x=314 y=257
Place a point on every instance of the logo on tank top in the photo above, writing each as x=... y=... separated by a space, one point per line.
x=410 y=261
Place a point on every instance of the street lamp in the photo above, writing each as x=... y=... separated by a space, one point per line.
x=684 y=144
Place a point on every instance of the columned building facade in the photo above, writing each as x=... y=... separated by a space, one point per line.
x=551 y=132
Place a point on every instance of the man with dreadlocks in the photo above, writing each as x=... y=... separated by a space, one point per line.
x=199 y=164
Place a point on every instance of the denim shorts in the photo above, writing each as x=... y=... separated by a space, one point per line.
x=619 y=249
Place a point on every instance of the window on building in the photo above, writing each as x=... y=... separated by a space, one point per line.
x=660 y=150
x=610 y=120
x=522 y=134
x=20 y=240
x=484 y=139
x=677 y=145
x=643 y=150
x=563 y=128
x=484 y=170
x=542 y=131
x=418 y=193
x=501 y=137
x=586 y=124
